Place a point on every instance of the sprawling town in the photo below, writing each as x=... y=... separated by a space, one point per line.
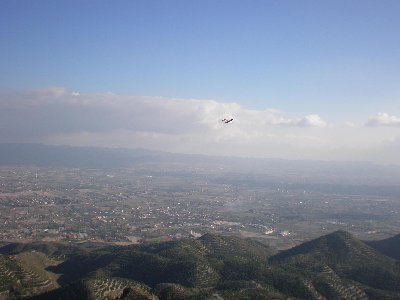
x=150 y=204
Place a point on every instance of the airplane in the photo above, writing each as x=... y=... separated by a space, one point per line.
x=226 y=121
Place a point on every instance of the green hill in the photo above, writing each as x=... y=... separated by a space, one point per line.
x=338 y=259
x=26 y=274
x=389 y=247
x=54 y=249
x=334 y=266
x=192 y=263
x=100 y=289
x=339 y=247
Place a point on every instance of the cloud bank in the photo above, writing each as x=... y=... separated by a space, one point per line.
x=58 y=116
x=55 y=111
x=384 y=119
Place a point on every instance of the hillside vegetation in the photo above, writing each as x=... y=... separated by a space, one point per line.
x=334 y=266
x=390 y=247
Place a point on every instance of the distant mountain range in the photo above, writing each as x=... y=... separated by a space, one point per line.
x=302 y=171
x=75 y=157
x=334 y=266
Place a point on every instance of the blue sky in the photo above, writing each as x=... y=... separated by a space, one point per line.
x=292 y=55
x=337 y=59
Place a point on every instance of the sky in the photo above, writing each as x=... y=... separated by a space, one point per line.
x=302 y=79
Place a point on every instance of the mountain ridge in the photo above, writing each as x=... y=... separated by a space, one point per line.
x=389 y=247
x=334 y=266
x=377 y=179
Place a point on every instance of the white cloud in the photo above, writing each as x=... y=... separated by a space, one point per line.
x=383 y=119
x=312 y=121
x=57 y=116
x=56 y=111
